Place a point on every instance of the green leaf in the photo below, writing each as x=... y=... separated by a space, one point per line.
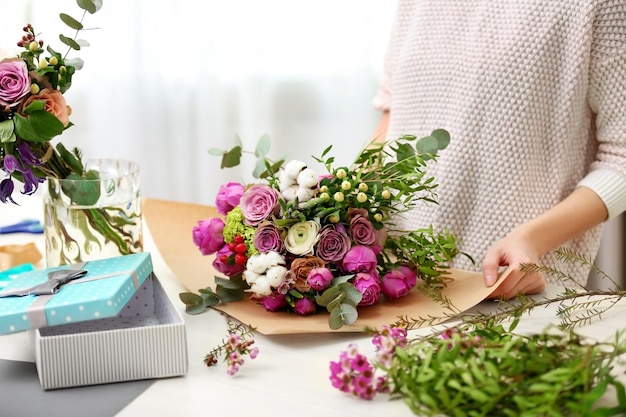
x=46 y=124
x=81 y=191
x=427 y=145
x=34 y=105
x=71 y=22
x=70 y=42
x=91 y=6
x=25 y=130
x=194 y=304
x=353 y=296
x=259 y=168
x=231 y=158
x=404 y=151
x=328 y=296
x=227 y=283
x=342 y=314
x=7 y=131
x=263 y=146
x=75 y=62
x=338 y=280
x=443 y=138
x=216 y=152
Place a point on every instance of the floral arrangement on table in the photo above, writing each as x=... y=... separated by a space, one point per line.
x=34 y=112
x=299 y=241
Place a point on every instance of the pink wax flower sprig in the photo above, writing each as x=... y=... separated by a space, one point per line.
x=234 y=348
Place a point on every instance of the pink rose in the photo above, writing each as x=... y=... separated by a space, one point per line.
x=319 y=278
x=359 y=259
x=362 y=230
x=228 y=197
x=14 y=82
x=274 y=302
x=368 y=284
x=258 y=203
x=398 y=282
x=54 y=103
x=207 y=235
x=225 y=263
x=267 y=239
x=304 y=306
x=333 y=243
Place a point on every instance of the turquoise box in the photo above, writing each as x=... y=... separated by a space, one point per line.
x=106 y=288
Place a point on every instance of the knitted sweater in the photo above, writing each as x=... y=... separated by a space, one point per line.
x=533 y=93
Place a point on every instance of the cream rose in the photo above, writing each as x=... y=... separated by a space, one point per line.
x=302 y=236
x=54 y=103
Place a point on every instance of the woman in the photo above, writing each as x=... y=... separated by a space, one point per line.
x=533 y=93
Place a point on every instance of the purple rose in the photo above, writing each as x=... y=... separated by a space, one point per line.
x=304 y=306
x=361 y=229
x=274 y=301
x=398 y=282
x=319 y=278
x=267 y=239
x=369 y=286
x=258 y=203
x=359 y=259
x=207 y=235
x=228 y=197
x=14 y=82
x=225 y=263
x=333 y=243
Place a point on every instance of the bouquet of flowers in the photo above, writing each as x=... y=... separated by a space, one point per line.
x=299 y=241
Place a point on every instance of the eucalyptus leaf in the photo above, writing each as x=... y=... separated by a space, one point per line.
x=216 y=151
x=75 y=62
x=227 y=283
x=71 y=22
x=259 y=168
x=91 y=6
x=231 y=158
x=342 y=314
x=69 y=42
x=262 y=146
x=443 y=138
x=427 y=145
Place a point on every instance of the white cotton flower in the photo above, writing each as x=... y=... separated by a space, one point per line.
x=307 y=178
x=285 y=181
x=274 y=259
x=276 y=275
x=261 y=286
x=257 y=264
x=250 y=276
x=305 y=194
x=290 y=193
x=293 y=168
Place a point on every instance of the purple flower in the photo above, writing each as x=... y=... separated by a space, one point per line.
x=398 y=282
x=368 y=284
x=274 y=301
x=258 y=203
x=14 y=82
x=11 y=164
x=333 y=243
x=359 y=259
x=361 y=228
x=319 y=278
x=6 y=190
x=304 y=306
x=26 y=154
x=31 y=181
x=207 y=235
x=225 y=263
x=228 y=197
x=267 y=239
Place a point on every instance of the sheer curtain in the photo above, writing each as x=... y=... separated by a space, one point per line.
x=165 y=81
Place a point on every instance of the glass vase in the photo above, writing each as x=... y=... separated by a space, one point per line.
x=89 y=219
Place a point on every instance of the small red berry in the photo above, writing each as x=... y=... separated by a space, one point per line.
x=241 y=248
x=231 y=246
x=238 y=239
x=223 y=258
x=241 y=259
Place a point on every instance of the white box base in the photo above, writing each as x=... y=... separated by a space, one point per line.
x=146 y=340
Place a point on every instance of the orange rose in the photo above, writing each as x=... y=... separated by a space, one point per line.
x=54 y=104
x=300 y=269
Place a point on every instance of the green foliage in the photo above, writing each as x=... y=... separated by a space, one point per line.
x=341 y=300
x=226 y=291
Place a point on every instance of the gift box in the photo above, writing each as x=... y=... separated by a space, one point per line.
x=116 y=323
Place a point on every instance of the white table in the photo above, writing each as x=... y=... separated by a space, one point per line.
x=289 y=377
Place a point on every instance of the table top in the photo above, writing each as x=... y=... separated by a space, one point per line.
x=289 y=377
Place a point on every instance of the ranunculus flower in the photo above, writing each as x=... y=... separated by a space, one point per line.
x=228 y=197
x=333 y=243
x=359 y=259
x=14 y=82
x=368 y=284
x=227 y=268
x=398 y=282
x=304 y=306
x=267 y=239
x=302 y=236
x=207 y=235
x=274 y=302
x=300 y=269
x=362 y=230
x=319 y=278
x=258 y=203
x=54 y=103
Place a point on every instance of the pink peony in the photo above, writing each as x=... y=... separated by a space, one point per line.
x=359 y=259
x=225 y=263
x=258 y=203
x=319 y=278
x=14 y=82
x=304 y=306
x=228 y=197
x=333 y=243
x=368 y=284
x=207 y=235
x=274 y=302
x=267 y=239
x=398 y=282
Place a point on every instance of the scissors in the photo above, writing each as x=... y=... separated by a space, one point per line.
x=24 y=226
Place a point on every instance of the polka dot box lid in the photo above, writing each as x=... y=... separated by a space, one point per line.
x=102 y=292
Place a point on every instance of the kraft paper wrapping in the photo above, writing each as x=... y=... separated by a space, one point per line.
x=171 y=224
